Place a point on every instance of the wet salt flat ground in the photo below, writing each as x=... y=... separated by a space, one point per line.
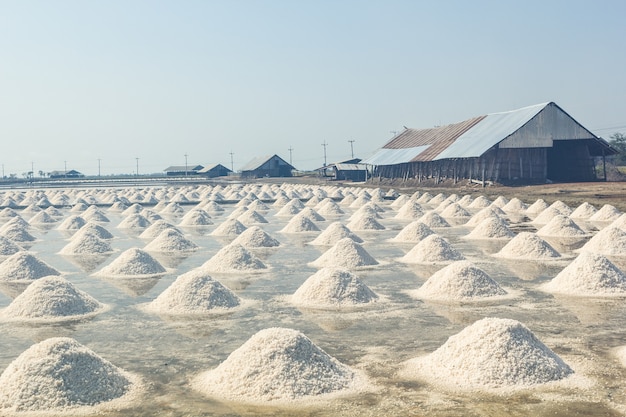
x=168 y=353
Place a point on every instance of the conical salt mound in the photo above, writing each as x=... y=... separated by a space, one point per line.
x=229 y=228
x=8 y=247
x=194 y=292
x=431 y=249
x=255 y=237
x=548 y=214
x=455 y=211
x=213 y=207
x=233 y=258
x=413 y=232
x=73 y=222
x=620 y=222
x=170 y=240
x=480 y=202
x=42 y=218
x=365 y=223
x=491 y=228
x=277 y=365
x=433 y=220
x=459 y=281
x=537 y=207
x=59 y=374
x=24 y=266
x=589 y=274
x=156 y=228
x=500 y=202
x=300 y=224
x=251 y=217
x=133 y=262
x=330 y=208
x=345 y=254
x=331 y=287
x=561 y=226
x=333 y=234
x=610 y=241
x=86 y=244
x=290 y=209
x=17 y=234
x=492 y=353
x=50 y=298
x=134 y=221
x=410 y=210
x=515 y=205
x=584 y=211
x=607 y=213
x=197 y=217
x=529 y=246
x=483 y=214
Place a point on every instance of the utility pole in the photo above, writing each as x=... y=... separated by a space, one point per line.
x=186 y=169
x=324 y=145
x=232 y=165
x=99 y=166
x=290 y=150
x=137 y=161
x=351 y=147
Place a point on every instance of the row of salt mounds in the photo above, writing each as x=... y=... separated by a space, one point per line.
x=589 y=274
x=432 y=249
x=561 y=226
x=170 y=240
x=607 y=213
x=527 y=245
x=51 y=298
x=24 y=266
x=346 y=253
x=279 y=365
x=331 y=288
x=86 y=244
x=255 y=237
x=58 y=375
x=491 y=354
x=233 y=258
x=459 y=281
x=194 y=292
x=491 y=228
x=413 y=232
x=133 y=262
x=610 y=241
x=333 y=234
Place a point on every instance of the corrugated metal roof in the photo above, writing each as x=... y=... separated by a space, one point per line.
x=210 y=167
x=183 y=168
x=256 y=163
x=351 y=167
x=385 y=156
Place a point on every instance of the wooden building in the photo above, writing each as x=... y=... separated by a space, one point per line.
x=534 y=144
x=215 y=170
x=182 y=170
x=267 y=166
x=72 y=173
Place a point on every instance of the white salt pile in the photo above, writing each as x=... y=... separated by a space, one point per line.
x=432 y=249
x=537 y=207
x=95 y=216
x=610 y=241
x=118 y=206
x=24 y=266
x=8 y=247
x=213 y=207
x=620 y=222
x=491 y=354
x=607 y=213
x=329 y=208
x=73 y=222
x=548 y=214
x=133 y=209
x=480 y=202
x=51 y=298
x=196 y=217
x=278 y=365
x=291 y=208
x=233 y=258
x=410 y=210
x=237 y=212
x=584 y=211
x=251 y=217
x=365 y=222
x=454 y=211
x=134 y=221
x=95 y=229
x=258 y=205
x=483 y=214
x=133 y=262
x=333 y=234
x=229 y=228
x=16 y=221
x=436 y=200
x=561 y=226
x=17 y=234
x=86 y=244
x=425 y=198
x=79 y=207
x=402 y=200
x=500 y=202
x=42 y=218
x=491 y=228
x=529 y=246
x=171 y=240
x=173 y=209
x=589 y=274
x=300 y=224
x=194 y=292
x=346 y=253
x=332 y=287
x=369 y=209
x=59 y=375
x=156 y=228
x=562 y=207
x=413 y=232
x=459 y=281
x=433 y=220
x=255 y=237
x=515 y=205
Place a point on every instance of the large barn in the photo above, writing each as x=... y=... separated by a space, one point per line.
x=533 y=144
x=267 y=166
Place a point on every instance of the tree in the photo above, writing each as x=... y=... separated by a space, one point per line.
x=618 y=141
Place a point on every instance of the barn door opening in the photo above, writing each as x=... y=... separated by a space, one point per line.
x=570 y=160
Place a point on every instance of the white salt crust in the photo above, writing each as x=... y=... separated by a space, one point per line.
x=86 y=244
x=346 y=253
x=561 y=226
x=589 y=274
x=24 y=266
x=51 y=298
x=60 y=375
x=489 y=355
x=413 y=232
x=233 y=258
x=432 y=249
x=278 y=366
x=133 y=262
x=459 y=281
x=170 y=240
x=527 y=245
x=333 y=288
x=255 y=237
x=610 y=241
x=491 y=228
x=192 y=293
x=333 y=234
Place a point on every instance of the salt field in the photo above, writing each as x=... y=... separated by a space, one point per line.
x=268 y=299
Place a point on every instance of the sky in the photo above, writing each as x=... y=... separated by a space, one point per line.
x=106 y=87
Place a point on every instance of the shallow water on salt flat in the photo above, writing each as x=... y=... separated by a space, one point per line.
x=168 y=353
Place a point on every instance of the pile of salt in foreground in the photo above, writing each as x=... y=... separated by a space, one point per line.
x=491 y=354
x=413 y=232
x=527 y=245
x=24 y=266
x=332 y=288
x=279 y=366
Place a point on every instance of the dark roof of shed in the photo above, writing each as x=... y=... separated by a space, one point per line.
x=183 y=168
x=259 y=161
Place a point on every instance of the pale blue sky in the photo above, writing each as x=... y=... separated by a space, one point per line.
x=122 y=79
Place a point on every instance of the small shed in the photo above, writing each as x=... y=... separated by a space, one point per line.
x=215 y=170
x=267 y=166
x=72 y=173
x=350 y=172
x=182 y=170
